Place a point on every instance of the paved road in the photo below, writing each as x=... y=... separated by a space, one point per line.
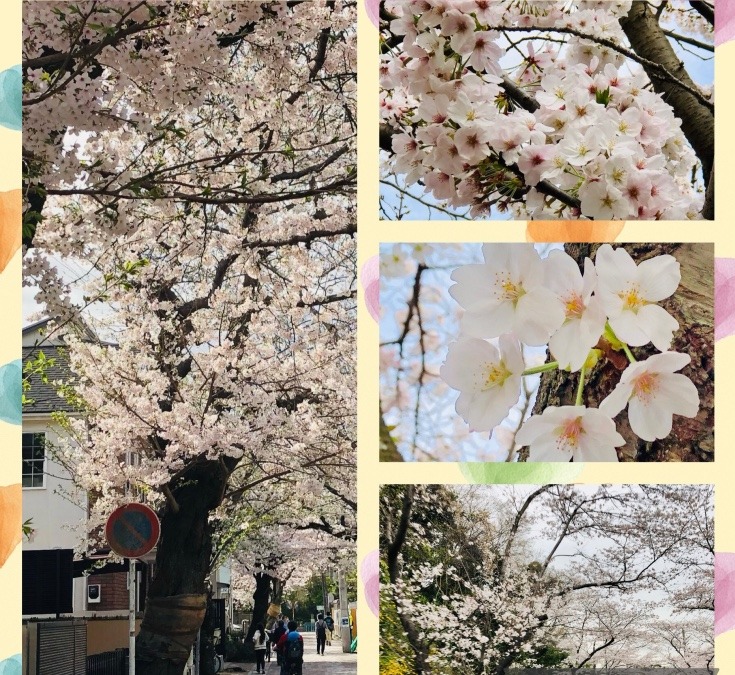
x=334 y=661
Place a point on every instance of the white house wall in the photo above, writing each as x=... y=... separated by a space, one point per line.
x=56 y=509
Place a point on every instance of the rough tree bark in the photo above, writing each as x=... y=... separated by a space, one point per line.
x=261 y=600
x=177 y=596
x=648 y=40
x=396 y=540
x=206 y=641
x=277 y=586
x=691 y=440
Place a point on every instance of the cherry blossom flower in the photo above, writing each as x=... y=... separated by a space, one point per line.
x=535 y=160
x=487 y=378
x=471 y=141
x=579 y=148
x=629 y=293
x=441 y=184
x=507 y=293
x=591 y=109
x=603 y=201
x=570 y=432
x=584 y=316
x=654 y=392
x=485 y=53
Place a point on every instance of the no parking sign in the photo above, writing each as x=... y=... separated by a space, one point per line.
x=132 y=530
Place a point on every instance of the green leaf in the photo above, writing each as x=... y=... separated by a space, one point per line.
x=602 y=96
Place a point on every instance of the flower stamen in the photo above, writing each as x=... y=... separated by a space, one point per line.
x=632 y=298
x=569 y=432
x=495 y=375
x=645 y=386
x=573 y=306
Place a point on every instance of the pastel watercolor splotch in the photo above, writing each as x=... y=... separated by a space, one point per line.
x=370 y=573
x=528 y=473
x=11 y=390
x=370 y=278
x=12 y=665
x=11 y=96
x=11 y=521
x=724 y=297
x=724 y=592
x=10 y=229
x=372 y=7
x=724 y=22
x=573 y=230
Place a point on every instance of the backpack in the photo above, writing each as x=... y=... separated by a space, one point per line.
x=321 y=628
x=294 y=648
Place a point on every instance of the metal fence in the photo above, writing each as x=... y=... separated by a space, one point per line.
x=108 y=663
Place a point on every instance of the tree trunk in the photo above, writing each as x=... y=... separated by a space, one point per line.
x=261 y=599
x=277 y=591
x=206 y=641
x=648 y=40
x=177 y=597
x=692 y=305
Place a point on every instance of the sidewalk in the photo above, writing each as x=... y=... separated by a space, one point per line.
x=334 y=661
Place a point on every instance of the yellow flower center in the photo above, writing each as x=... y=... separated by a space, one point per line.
x=574 y=307
x=507 y=289
x=645 y=385
x=618 y=175
x=570 y=431
x=632 y=298
x=495 y=375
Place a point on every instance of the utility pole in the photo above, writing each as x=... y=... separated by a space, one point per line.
x=344 y=612
x=132 y=578
x=324 y=594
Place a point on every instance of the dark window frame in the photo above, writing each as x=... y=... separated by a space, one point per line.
x=33 y=444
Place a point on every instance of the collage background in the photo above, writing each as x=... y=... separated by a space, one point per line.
x=373 y=232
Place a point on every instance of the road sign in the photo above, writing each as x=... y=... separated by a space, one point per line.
x=132 y=530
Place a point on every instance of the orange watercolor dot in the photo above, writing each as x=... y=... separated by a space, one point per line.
x=592 y=231
x=11 y=520
x=10 y=225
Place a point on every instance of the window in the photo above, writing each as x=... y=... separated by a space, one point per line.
x=34 y=458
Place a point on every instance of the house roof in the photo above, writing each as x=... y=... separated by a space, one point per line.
x=42 y=395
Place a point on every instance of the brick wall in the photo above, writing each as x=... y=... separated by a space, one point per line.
x=113 y=591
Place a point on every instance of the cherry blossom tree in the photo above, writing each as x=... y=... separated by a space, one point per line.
x=284 y=537
x=199 y=160
x=525 y=576
x=548 y=110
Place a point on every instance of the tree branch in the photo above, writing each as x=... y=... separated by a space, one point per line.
x=656 y=56
x=706 y=10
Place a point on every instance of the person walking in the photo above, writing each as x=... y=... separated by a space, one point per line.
x=259 y=640
x=330 y=628
x=321 y=634
x=291 y=648
x=276 y=634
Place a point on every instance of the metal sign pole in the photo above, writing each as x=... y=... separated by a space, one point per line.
x=131 y=616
